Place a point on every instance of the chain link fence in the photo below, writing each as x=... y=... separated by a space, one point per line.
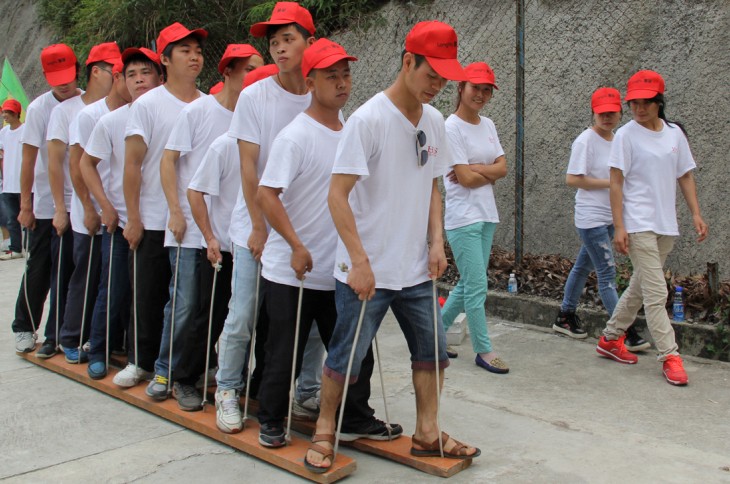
x=548 y=57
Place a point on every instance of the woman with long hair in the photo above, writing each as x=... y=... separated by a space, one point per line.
x=649 y=157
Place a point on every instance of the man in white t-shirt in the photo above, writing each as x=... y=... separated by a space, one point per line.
x=85 y=253
x=102 y=166
x=150 y=122
x=263 y=109
x=197 y=125
x=385 y=226
x=60 y=69
x=299 y=253
x=11 y=147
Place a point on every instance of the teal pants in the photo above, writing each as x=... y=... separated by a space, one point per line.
x=471 y=246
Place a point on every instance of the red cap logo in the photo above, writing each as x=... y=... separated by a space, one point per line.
x=59 y=64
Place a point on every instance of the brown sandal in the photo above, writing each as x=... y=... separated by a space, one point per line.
x=432 y=449
x=326 y=453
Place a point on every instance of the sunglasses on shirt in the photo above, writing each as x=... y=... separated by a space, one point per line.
x=421 y=151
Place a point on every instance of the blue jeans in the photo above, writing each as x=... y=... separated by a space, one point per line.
x=239 y=324
x=119 y=298
x=594 y=253
x=186 y=299
x=11 y=208
x=471 y=246
x=310 y=378
x=81 y=296
x=413 y=309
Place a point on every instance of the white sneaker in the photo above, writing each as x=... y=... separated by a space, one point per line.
x=228 y=412
x=25 y=342
x=11 y=255
x=131 y=375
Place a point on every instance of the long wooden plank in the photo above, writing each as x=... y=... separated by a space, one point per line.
x=398 y=450
x=289 y=458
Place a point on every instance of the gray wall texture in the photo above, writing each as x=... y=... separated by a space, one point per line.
x=571 y=48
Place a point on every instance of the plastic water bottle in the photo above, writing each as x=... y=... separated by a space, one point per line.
x=512 y=284
x=678 y=305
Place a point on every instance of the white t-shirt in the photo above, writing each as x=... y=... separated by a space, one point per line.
x=198 y=124
x=263 y=109
x=59 y=129
x=392 y=197
x=219 y=175
x=107 y=143
x=589 y=156
x=36 y=124
x=301 y=163
x=152 y=117
x=10 y=143
x=651 y=162
x=79 y=133
x=471 y=144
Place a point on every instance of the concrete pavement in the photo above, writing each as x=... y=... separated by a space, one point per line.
x=561 y=415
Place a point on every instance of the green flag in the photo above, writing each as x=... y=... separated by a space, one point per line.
x=11 y=87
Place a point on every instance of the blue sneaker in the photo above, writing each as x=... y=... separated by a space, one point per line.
x=96 y=370
x=74 y=356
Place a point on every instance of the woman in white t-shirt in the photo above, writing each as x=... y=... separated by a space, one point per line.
x=471 y=212
x=649 y=157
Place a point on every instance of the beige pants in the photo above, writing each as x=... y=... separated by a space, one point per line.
x=647 y=251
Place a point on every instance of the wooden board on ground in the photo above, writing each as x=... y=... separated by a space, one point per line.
x=398 y=450
x=289 y=458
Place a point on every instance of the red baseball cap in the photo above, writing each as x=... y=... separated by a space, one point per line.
x=480 y=73
x=59 y=64
x=175 y=32
x=236 y=51
x=107 y=52
x=260 y=73
x=151 y=55
x=216 y=88
x=606 y=100
x=12 y=105
x=118 y=66
x=644 y=85
x=285 y=13
x=437 y=42
x=323 y=53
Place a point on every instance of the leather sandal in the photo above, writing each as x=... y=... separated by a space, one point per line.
x=432 y=450
x=326 y=453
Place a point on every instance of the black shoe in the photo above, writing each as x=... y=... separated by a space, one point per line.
x=272 y=435
x=47 y=350
x=569 y=325
x=634 y=342
x=374 y=429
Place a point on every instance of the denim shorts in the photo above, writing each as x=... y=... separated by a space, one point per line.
x=413 y=309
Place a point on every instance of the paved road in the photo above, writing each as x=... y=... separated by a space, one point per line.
x=561 y=415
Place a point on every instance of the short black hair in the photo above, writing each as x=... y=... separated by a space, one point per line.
x=273 y=29
x=419 y=58
x=167 y=52
x=99 y=64
x=140 y=58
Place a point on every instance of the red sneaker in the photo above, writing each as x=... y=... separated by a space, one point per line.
x=616 y=350
x=674 y=370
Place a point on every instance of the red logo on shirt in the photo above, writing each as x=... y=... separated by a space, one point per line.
x=432 y=150
x=675 y=149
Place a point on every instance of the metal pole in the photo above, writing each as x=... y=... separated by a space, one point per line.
x=520 y=131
